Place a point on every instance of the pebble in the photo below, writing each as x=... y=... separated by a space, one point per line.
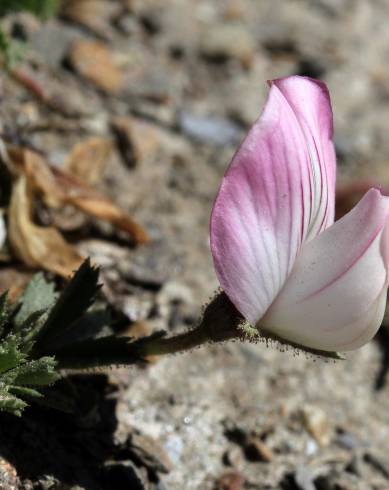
x=174 y=447
x=52 y=42
x=316 y=423
x=232 y=480
x=94 y=62
x=304 y=479
x=348 y=441
x=234 y=457
x=210 y=130
x=256 y=450
x=137 y=140
x=228 y=40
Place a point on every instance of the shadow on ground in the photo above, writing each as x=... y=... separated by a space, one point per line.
x=76 y=449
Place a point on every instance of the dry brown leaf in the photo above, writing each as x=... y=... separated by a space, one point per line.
x=35 y=245
x=95 y=204
x=88 y=159
x=93 y=61
x=58 y=187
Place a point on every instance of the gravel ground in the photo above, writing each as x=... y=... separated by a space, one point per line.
x=192 y=80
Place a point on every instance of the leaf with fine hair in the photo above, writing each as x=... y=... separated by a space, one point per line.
x=38 y=372
x=10 y=355
x=76 y=298
x=39 y=295
x=11 y=403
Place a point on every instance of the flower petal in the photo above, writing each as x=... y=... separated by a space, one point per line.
x=310 y=101
x=276 y=193
x=335 y=297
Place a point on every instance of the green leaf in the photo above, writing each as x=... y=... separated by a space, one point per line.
x=41 y=8
x=10 y=355
x=10 y=403
x=11 y=49
x=38 y=296
x=76 y=298
x=24 y=392
x=91 y=325
x=39 y=372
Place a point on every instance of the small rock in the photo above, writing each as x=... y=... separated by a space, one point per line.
x=150 y=266
x=316 y=423
x=8 y=476
x=93 y=61
x=209 y=130
x=95 y=15
x=176 y=304
x=348 y=441
x=52 y=42
x=311 y=447
x=149 y=453
x=151 y=82
x=174 y=446
x=138 y=307
x=256 y=450
x=233 y=457
x=304 y=479
x=225 y=41
x=137 y=140
x=230 y=481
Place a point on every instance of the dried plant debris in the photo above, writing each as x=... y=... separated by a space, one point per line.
x=88 y=159
x=37 y=246
x=43 y=246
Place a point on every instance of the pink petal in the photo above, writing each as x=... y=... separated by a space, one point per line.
x=335 y=297
x=277 y=192
x=311 y=104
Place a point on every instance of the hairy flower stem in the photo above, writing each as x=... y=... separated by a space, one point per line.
x=220 y=322
x=171 y=345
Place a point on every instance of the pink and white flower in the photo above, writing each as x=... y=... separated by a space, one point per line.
x=278 y=255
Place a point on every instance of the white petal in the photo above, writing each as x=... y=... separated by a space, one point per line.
x=335 y=296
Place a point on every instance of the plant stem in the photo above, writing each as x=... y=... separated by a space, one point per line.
x=219 y=323
x=172 y=345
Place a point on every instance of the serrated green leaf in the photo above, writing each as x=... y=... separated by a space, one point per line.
x=38 y=296
x=40 y=372
x=24 y=392
x=91 y=325
x=30 y=329
x=10 y=403
x=10 y=355
x=76 y=298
